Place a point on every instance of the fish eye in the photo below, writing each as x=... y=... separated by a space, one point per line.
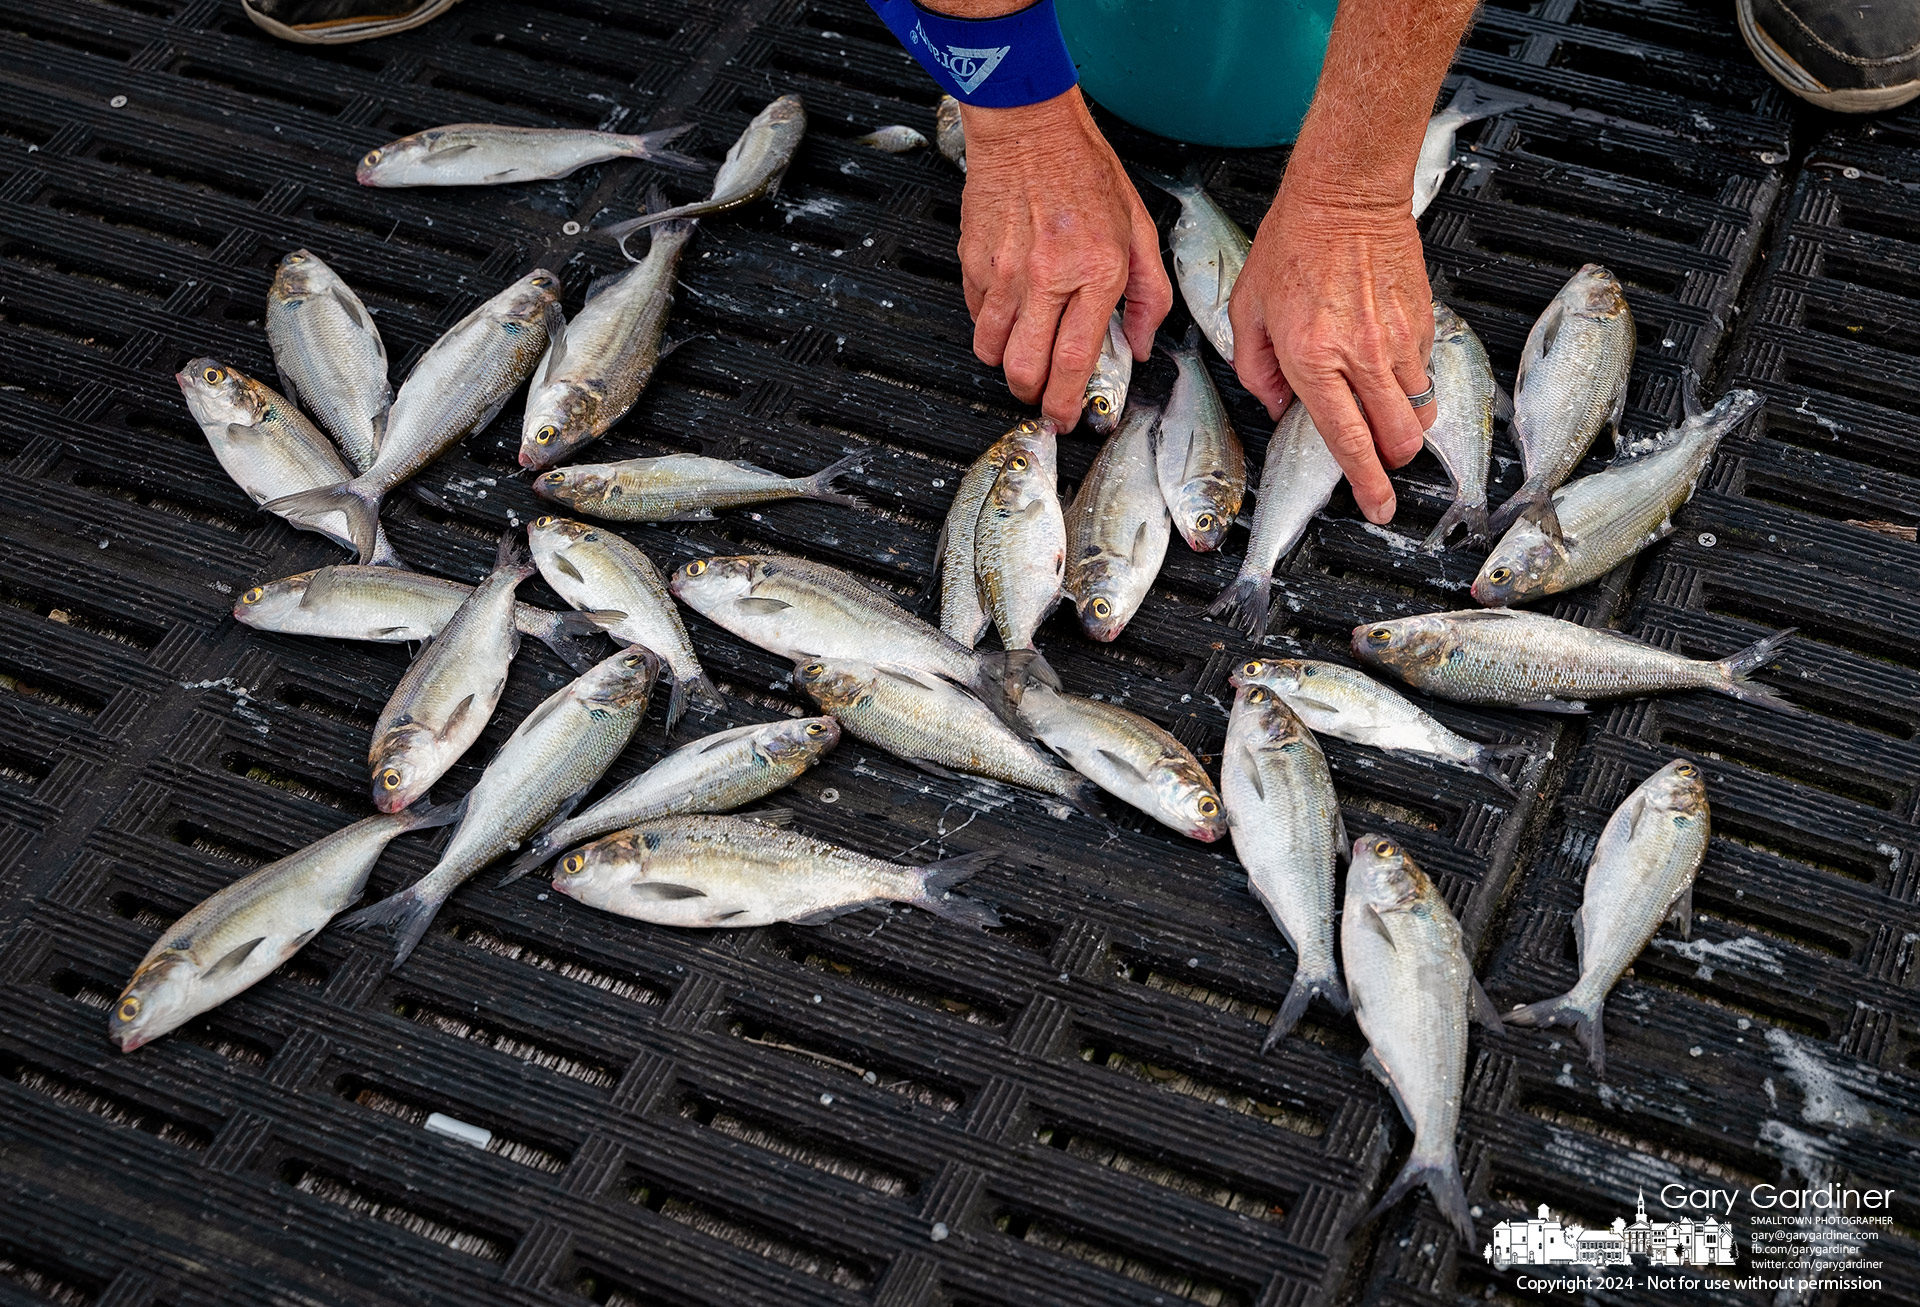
x=1381 y=635
x=1384 y=849
x=814 y=669
x=373 y=157
x=1027 y=426
x=1209 y=806
x=543 y=282
x=1102 y=405
x=545 y=434
x=631 y=660
x=572 y=864
x=1018 y=463
x=543 y=521
x=214 y=376
x=1101 y=607
x=1256 y=695
x=1204 y=522
x=1500 y=575
x=1685 y=769
x=555 y=478
x=253 y=596
x=129 y=1007
x=390 y=779
x=296 y=258
x=816 y=728
x=696 y=567
x=1252 y=668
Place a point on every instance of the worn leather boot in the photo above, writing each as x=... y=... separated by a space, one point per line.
x=1853 y=56
x=337 y=22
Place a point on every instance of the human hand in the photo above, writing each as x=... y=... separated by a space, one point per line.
x=1052 y=234
x=1333 y=306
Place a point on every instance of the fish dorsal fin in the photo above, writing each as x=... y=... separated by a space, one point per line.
x=760 y=605
x=754 y=468
x=664 y=891
x=233 y=959
x=770 y=816
x=1502 y=404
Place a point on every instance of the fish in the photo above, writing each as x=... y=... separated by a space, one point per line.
x=729 y=871
x=800 y=609
x=1641 y=877
x=596 y=372
x=1209 y=249
x=1524 y=660
x=1129 y=757
x=387 y=604
x=950 y=132
x=1020 y=543
x=601 y=572
x=893 y=140
x=933 y=724
x=1284 y=818
x=1436 y=148
x=490 y=154
x=754 y=165
x=961 y=614
x=1201 y=467
x=718 y=773
x=459 y=384
x=1350 y=705
x=239 y=935
x=448 y=694
x=328 y=351
x=546 y=766
x=684 y=487
x=1299 y=478
x=1466 y=401
x=1571 y=382
x=1413 y=993
x=1117 y=529
x=1106 y=396
x=271 y=450
x=1612 y=515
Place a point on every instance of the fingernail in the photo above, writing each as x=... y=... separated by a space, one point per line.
x=1382 y=514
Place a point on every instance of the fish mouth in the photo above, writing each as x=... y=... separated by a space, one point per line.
x=535 y=463
x=395 y=801
x=1205 y=834
x=129 y=1040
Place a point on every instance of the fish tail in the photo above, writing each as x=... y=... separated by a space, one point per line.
x=652 y=145
x=409 y=913
x=1245 y=602
x=1474 y=515
x=696 y=686
x=384 y=554
x=1327 y=986
x=574 y=639
x=360 y=506
x=1004 y=678
x=542 y=847
x=1472 y=102
x=1566 y=1010
x=1751 y=659
x=1176 y=187
x=1083 y=794
x=426 y=816
x=1441 y=1176
x=939 y=877
x=1487 y=763
x=820 y=484
x=1526 y=500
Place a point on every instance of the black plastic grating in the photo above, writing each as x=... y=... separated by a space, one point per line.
x=786 y=1115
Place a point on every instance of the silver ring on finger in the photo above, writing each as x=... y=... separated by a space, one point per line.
x=1422 y=399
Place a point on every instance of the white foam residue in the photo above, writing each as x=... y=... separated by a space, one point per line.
x=818 y=206
x=1744 y=951
x=1395 y=541
x=1823 y=1100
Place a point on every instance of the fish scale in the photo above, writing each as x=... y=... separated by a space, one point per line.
x=1129 y=757
x=1020 y=544
x=1461 y=436
x=961 y=613
x=1117 y=529
x=489 y=154
x=329 y=354
x=1200 y=463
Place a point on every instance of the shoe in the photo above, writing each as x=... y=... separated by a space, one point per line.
x=339 y=22
x=1851 y=56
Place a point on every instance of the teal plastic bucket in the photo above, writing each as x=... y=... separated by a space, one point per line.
x=1210 y=72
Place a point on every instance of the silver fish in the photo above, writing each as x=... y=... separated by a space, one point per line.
x=961 y=614
x=448 y=694
x=1525 y=660
x=549 y=762
x=729 y=871
x=1202 y=468
x=800 y=609
x=1413 y=993
x=270 y=449
x=1436 y=148
x=950 y=133
x=331 y=359
x=598 y=571
x=489 y=154
x=350 y=602
x=1209 y=249
x=753 y=167
x=719 y=773
x=597 y=368
x=1106 y=395
x=1641 y=877
x=458 y=385
x=684 y=487
x=1350 y=705
x=1287 y=833
x=1129 y=757
x=1117 y=529
x=893 y=140
x=1610 y=516
x=239 y=935
x=1466 y=401
x=932 y=724
x=1020 y=544
x=1299 y=478
x=1571 y=382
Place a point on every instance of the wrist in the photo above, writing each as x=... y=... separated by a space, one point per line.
x=1027 y=122
x=1320 y=174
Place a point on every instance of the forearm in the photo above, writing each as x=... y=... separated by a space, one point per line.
x=1384 y=66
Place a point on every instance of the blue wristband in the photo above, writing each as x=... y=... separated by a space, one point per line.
x=995 y=63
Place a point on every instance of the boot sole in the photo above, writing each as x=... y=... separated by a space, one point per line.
x=1781 y=67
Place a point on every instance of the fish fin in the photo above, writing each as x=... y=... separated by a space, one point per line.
x=934 y=769
x=1245 y=603
x=1472 y=105
x=1563 y=1011
x=1580 y=936
x=1502 y=404
x=1343 y=846
x=1312 y=703
x=1442 y=1179
x=1299 y=995
x=937 y=878
x=696 y=687
x=351 y=306
x=232 y=959
x=409 y=913
x=1459 y=512
x=940 y=549
x=1160 y=181
x=1370 y=1061
x=362 y=512
x=1004 y=677
x=1752 y=659
x=1504 y=516
x=760 y=606
x=1371 y=919
x=1222 y=284
x=819 y=485
x=1250 y=768
x=1487 y=764
x=537 y=853
x=427 y=816
x=781 y=817
x=1680 y=911
x=1568 y=707
x=571 y=648
x=486 y=418
x=652 y=145
x=565 y=568
x=1483 y=1010
x=824 y=915
x=663 y=891
x=458 y=715
x=1123 y=764
x=384 y=554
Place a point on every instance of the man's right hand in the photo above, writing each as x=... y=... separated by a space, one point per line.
x=1052 y=234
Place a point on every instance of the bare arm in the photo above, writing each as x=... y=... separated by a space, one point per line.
x=1333 y=302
